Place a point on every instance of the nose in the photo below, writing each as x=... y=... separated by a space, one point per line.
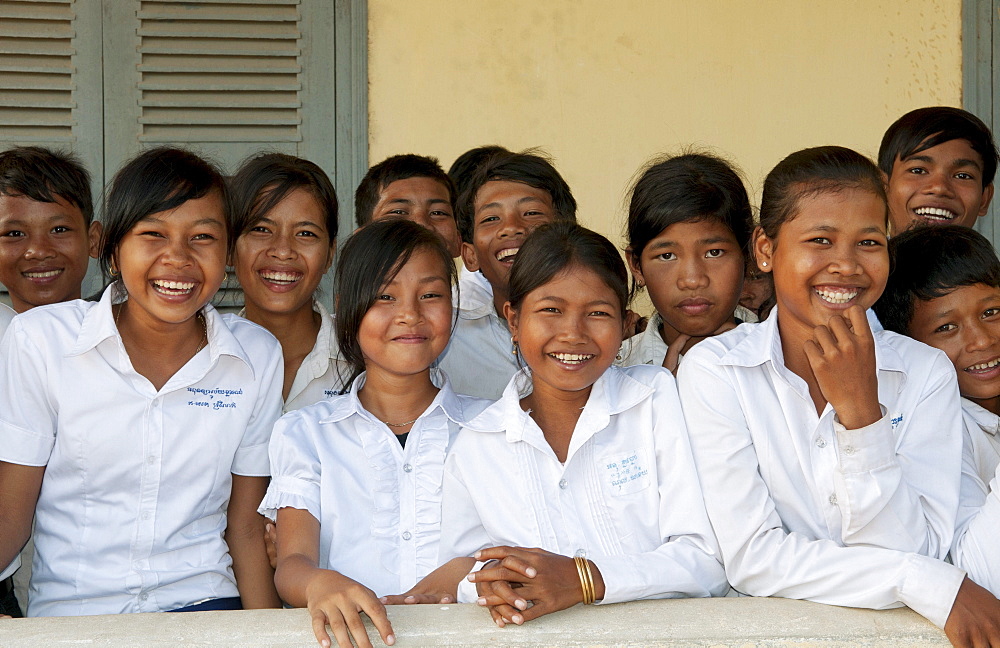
x=513 y=225
x=845 y=262
x=572 y=329
x=281 y=246
x=692 y=274
x=408 y=310
x=177 y=253
x=980 y=336
x=938 y=184
x=40 y=248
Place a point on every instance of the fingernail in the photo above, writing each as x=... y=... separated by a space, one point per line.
x=268 y=527
x=518 y=619
x=390 y=640
x=499 y=623
x=521 y=604
x=477 y=554
x=481 y=601
x=446 y=599
x=384 y=600
x=532 y=572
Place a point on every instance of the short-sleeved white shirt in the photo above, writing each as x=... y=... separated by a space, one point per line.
x=627 y=497
x=649 y=347
x=378 y=503
x=480 y=358
x=805 y=508
x=132 y=508
x=319 y=375
x=976 y=548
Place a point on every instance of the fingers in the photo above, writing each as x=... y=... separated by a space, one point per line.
x=673 y=357
x=859 y=323
x=512 y=568
x=416 y=599
x=376 y=612
x=504 y=614
x=271 y=544
x=319 y=627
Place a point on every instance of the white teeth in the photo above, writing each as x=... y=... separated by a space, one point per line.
x=509 y=252
x=985 y=365
x=934 y=213
x=281 y=277
x=42 y=275
x=174 y=287
x=837 y=296
x=572 y=358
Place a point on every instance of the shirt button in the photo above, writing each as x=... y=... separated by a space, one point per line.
x=833 y=499
x=407 y=535
x=143 y=596
x=581 y=553
x=850 y=450
x=407 y=468
x=563 y=484
x=820 y=442
x=151 y=460
x=145 y=515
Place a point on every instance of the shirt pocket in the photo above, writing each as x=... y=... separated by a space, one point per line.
x=625 y=472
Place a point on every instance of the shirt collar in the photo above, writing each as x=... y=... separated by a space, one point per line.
x=985 y=419
x=763 y=344
x=446 y=399
x=99 y=325
x=613 y=393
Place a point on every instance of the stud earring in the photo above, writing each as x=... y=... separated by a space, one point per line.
x=763 y=264
x=513 y=345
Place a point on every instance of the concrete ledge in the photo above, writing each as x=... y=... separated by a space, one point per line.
x=724 y=622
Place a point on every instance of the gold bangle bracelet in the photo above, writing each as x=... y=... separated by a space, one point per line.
x=586 y=579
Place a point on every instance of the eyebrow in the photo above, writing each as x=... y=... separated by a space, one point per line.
x=561 y=300
x=298 y=224
x=423 y=280
x=960 y=162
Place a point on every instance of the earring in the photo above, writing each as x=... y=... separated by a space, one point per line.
x=618 y=356
x=513 y=345
x=763 y=264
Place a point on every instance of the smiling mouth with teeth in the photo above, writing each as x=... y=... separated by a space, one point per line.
x=281 y=278
x=837 y=296
x=503 y=255
x=48 y=274
x=572 y=358
x=983 y=366
x=174 y=287
x=935 y=213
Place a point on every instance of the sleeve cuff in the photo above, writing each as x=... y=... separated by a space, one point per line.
x=24 y=447
x=865 y=449
x=467 y=592
x=291 y=492
x=252 y=461
x=930 y=587
x=11 y=568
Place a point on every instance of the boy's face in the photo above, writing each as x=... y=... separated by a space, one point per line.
x=424 y=201
x=44 y=249
x=965 y=324
x=504 y=213
x=939 y=185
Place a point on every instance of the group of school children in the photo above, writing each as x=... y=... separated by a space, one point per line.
x=509 y=435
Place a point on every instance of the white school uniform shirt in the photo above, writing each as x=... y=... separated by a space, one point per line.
x=805 y=508
x=649 y=347
x=479 y=358
x=132 y=508
x=978 y=529
x=378 y=503
x=319 y=375
x=627 y=498
x=473 y=287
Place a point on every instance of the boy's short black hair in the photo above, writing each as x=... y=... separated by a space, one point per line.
x=43 y=174
x=930 y=262
x=391 y=169
x=923 y=128
x=528 y=167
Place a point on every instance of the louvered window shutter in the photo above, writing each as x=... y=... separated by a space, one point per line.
x=50 y=81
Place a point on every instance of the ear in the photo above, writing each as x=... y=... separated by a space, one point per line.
x=512 y=319
x=634 y=266
x=94 y=239
x=987 y=197
x=763 y=250
x=469 y=257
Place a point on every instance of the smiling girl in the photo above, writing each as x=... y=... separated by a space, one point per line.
x=829 y=455
x=592 y=462
x=357 y=478
x=139 y=423
x=286 y=221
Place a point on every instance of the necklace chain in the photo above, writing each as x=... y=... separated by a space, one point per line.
x=204 y=338
x=400 y=424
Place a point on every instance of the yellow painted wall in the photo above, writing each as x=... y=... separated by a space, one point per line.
x=603 y=85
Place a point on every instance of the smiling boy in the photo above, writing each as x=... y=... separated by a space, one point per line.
x=47 y=235
x=508 y=196
x=944 y=290
x=939 y=163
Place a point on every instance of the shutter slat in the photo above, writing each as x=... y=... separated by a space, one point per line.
x=230 y=68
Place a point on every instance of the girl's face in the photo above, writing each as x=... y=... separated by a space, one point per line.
x=173 y=262
x=281 y=260
x=829 y=256
x=409 y=324
x=568 y=330
x=694 y=272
